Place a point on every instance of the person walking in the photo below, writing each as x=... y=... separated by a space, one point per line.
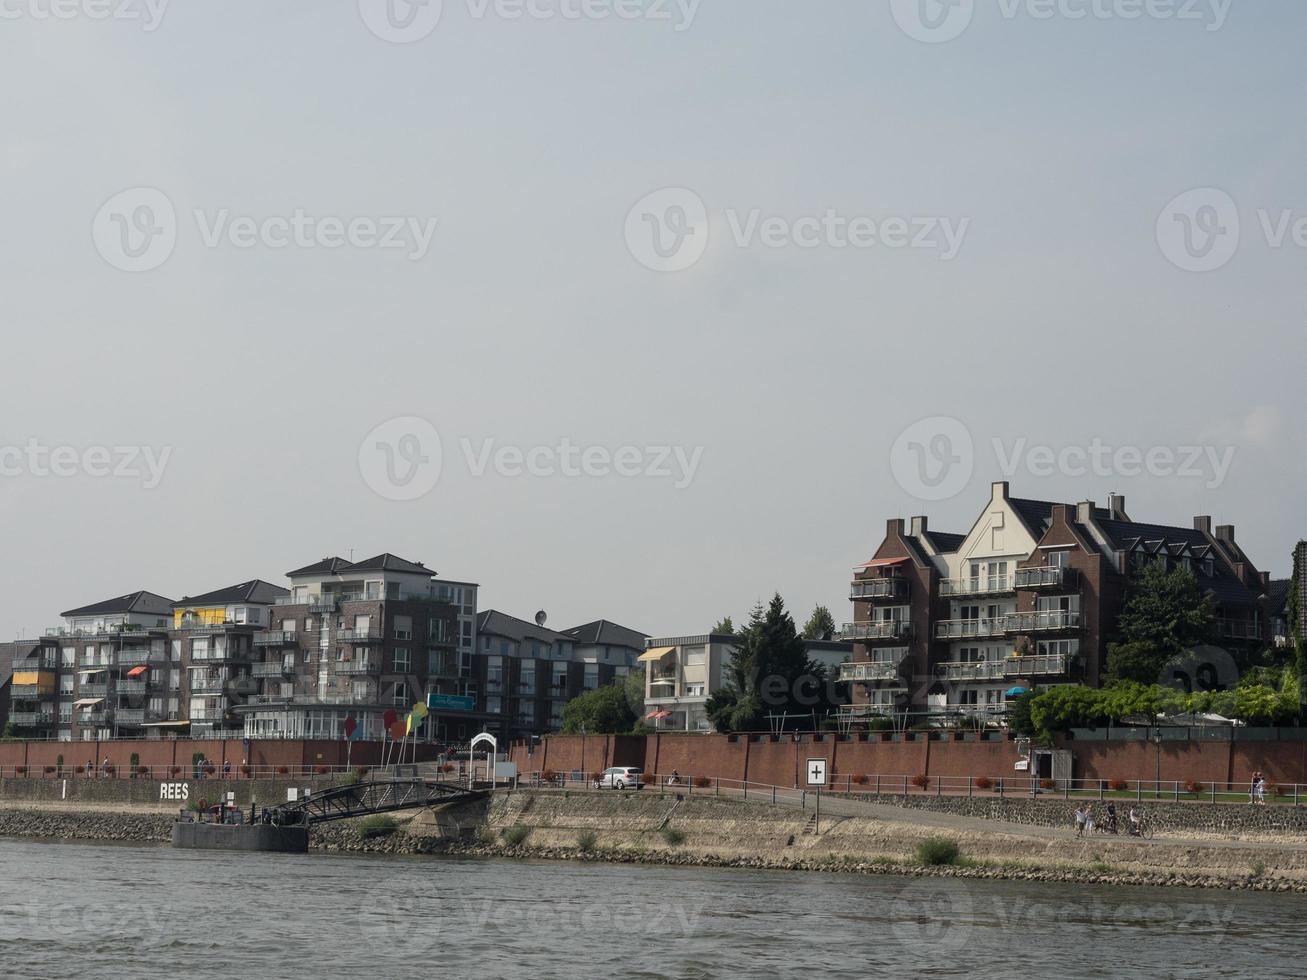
x=1089 y=820
x=1081 y=817
x=1259 y=789
x=1111 y=817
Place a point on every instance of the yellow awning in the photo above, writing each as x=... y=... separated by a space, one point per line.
x=657 y=653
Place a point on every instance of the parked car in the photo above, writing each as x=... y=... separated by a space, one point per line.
x=620 y=778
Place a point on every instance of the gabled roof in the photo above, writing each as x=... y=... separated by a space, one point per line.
x=390 y=563
x=1037 y=515
x=328 y=566
x=256 y=591
x=601 y=632
x=137 y=602
x=944 y=542
x=494 y=623
x=1158 y=538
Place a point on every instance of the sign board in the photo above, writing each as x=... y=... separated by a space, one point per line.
x=292 y=794
x=450 y=702
x=815 y=771
x=505 y=770
x=174 y=791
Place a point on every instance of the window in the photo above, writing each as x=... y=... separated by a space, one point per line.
x=694 y=690
x=494 y=706
x=68 y=656
x=438 y=630
x=526 y=678
x=401 y=660
x=591 y=677
x=1058 y=559
x=695 y=656
x=403 y=627
x=66 y=684
x=401 y=694
x=288 y=625
x=362 y=691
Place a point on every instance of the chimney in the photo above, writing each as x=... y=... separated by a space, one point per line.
x=1085 y=511
x=894 y=527
x=1116 y=505
x=1061 y=513
x=998 y=491
x=1225 y=532
x=1266 y=579
x=918 y=526
x=1203 y=524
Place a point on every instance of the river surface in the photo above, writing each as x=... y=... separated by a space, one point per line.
x=108 y=911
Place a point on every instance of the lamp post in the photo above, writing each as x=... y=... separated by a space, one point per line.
x=1157 y=741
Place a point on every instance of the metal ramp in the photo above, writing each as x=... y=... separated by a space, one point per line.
x=362 y=799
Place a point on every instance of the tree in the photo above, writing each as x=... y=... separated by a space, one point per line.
x=820 y=625
x=724 y=627
x=769 y=674
x=1018 y=718
x=1294 y=611
x=606 y=711
x=1165 y=614
x=1064 y=707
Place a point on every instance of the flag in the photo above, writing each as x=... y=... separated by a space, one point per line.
x=408 y=723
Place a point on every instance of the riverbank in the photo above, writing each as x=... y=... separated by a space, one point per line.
x=635 y=828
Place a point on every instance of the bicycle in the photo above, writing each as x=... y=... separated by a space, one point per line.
x=1143 y=829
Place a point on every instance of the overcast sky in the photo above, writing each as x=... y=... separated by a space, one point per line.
x=986 y=226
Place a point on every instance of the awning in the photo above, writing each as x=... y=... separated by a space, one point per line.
x=657 y=653
x=657 y=714
x=881 y=562
x=137 y=671
x=87 y=702
x=167 y=724
x=92 y=671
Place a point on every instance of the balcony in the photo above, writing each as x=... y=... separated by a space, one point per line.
x=136 y=658
x=1046 y=577
x=135 y=716
x=101 y=717
x=893 y=589
x=35 y=663
x=130 y=686
x=31 y=692
x=278 y=668
x=28 y=718
x=1048 y=665
x=853 y=712
x=1044 y=621
x=885 y=631
x=358 y=637
x=221 y=657
x=210 y=685
x=977 y=585
x=358 y=667
x=870 y=672
x=322 y=603
x=276 y=638
x=979 y=670
x=969 y=629
x=1238 y=629
x=93 y=691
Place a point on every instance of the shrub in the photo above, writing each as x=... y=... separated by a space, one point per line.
x=703 y=782
x=1275 y=789
x=210 y=769
x=323 y=770
x=142 y=770
x=548 y=775
x=595 y=777
x=1118 y=785
x=50 y=770
x=245 y=771
x=586 y=840
x=984 y=782
x=377 y=825
x=1194 y=786
x=449 y=767
x=351 y=778
x=514 y=836
x=283 y=770
x=862 y=779
x=20 y=770
x=922 y=782
x=673 y=836
x=174 y=770
x=1047 y=784
x=938 y=850
x=1258 y=869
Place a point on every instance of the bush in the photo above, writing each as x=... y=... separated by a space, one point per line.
x=323 y=770
x=283 y=770
x=938 y=850
x=703 y=782
x=142 y=770
x=1118 y=785
x=922 y=782
x=548 y=775
x=514 y=836
x=984 y=782
x=586 y=840
x=50 y=770
x=862 y=779
x=1047 y=784
x=174 y=770
x=377 y=825
x=351 y=778
x=20 y=770
x=449 y=767
x=1194 y=787
x=245 y=771
x=673 y=836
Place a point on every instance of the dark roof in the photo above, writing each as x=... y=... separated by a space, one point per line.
x=602 y=632
x=1277 y=591
x=494 y=623
x=1224 y=586
x=141 y=602
x=945 y=543
x=328 y=566
x=256 y=591
x=390 y=563
x=833 y=646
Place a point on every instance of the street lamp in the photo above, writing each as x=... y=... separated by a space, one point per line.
x=1157 y=783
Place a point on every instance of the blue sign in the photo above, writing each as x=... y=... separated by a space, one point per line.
x=450 y=702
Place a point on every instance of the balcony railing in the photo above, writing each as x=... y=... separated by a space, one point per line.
x=1045 y=665
x=878 y=632
x=94 y=717
x=361 y=636
x=969 y=629
x=209 y=685
x=133 y=686
x=93 y=690
x=980 y=670
x=275 y=638
x=977 y=585
x=852 y=712
x=890 y=588
x=277 y=668
x=865 y=672
x=1239 y=629
x=32 y=717
x=135 y=716
x=135 y=658
x=1044 y=621
x=31 y=692
x=1045 y=577
x=358 y=667
x=221 y=657
x=36 y=663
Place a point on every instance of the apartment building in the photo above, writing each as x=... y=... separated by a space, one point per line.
x=948 y=624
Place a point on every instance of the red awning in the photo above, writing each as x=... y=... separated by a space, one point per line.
x=657 y=714
x=137 y=671
x=882 y=562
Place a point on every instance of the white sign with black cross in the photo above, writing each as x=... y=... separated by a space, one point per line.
x=816 y=772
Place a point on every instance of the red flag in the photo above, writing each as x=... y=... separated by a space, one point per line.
x=390 y=717
x=350 y=726
x=398 y=730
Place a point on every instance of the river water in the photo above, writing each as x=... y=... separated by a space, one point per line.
x=95 y=911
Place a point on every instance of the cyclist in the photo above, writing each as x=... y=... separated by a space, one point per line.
x=1111 y=817
x=1135 y=818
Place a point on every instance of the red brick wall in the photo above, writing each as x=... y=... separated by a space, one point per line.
x=162 y=754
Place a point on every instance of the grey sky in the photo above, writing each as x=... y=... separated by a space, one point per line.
x=1059 y=321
